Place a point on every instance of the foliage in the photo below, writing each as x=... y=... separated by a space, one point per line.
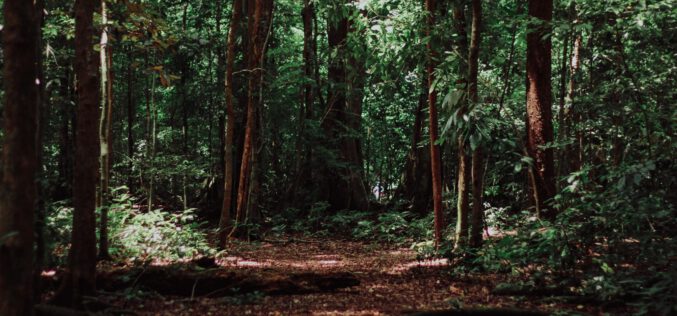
x=136 y=235
x=156 y=234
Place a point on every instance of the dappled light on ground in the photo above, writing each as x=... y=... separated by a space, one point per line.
x=420 y=263
x=390 y=280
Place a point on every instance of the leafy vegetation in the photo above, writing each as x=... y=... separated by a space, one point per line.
x=528 y=146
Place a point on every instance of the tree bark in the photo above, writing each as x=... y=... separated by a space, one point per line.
x=131 y=115
x=43 y=110
x=573 y=115
x=477 y=170
x=224 y=222
x=257 y=33
x=105 y=130
x=539 y=106
x=303 y=168
x=435 y=163
x=18 y=190
x=343 y=186
x=464 y=161
x=79 y=280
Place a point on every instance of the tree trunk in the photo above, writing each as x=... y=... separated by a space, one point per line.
x=573 y=115
x=464 y=161
x=79 y=281
x=18 y=191
x=105 y=129
x=477 y=171
x=256 y=21
x=225 y=219
x=65 y=162
x=131 y=114
x=539 y=106
x=435 y=163
x=343 y=185
x=562 y=129
x=43 y=110
x=303 y=168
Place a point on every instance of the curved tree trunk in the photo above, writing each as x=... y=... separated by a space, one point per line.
x=18 y=190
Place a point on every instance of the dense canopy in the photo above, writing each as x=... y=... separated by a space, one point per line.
x=507 y=156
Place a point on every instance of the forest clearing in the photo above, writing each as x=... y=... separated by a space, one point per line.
x=338 y=157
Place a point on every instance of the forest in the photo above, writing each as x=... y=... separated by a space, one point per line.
x=338 y=157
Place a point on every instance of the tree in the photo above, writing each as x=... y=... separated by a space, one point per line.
x=230 y=124
x=105 y=131
x=260 y=15
x=79 y=280
x=464 y=162
x=539 y=106
x=416 y=180
x=18 y=190
x=435 y=163
x=343 y=185
x=477 y=169
x=303 y=168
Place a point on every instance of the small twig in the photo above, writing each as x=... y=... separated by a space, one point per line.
x=248 y=70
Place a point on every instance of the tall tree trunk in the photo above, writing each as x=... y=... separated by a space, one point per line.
x=230 y=124
x=303 y=168
x=185 y=72
x=105 y=129
x=573 y=115
x=435 y=163
x=464 y=160
x=43 y=110
x=539 y=106
x=343 y=186
x=256 y=21
x=80 y=278
x=65 y=162
x=477 y=171
x=561 y=122
x=253 y=212
x=18 y=190
x=131 y=114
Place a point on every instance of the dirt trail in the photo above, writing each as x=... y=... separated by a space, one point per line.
x=392 y=282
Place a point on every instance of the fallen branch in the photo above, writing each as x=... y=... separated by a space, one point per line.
x=214 y=283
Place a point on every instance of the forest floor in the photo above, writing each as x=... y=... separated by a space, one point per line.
x=279 y=277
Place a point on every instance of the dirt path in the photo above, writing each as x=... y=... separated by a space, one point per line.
x=392 y=281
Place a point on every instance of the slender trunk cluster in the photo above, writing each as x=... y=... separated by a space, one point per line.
x=230 y=124
x=259 y=22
